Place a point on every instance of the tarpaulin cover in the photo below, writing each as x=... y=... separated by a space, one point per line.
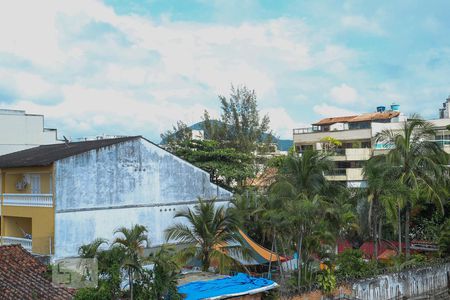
x=238 y=284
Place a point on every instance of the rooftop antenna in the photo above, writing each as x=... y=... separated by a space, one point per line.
x=66 y=141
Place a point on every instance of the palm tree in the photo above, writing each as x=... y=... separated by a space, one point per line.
x=375 y=173
x=306 y=218
x=208 y=229
x=132 y=240
x=416 y=161
x=306 y=171
x=91 y=250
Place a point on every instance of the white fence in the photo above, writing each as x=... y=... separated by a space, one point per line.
x=8 y=240
x=39 y=200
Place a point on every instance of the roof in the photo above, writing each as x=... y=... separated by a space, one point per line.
x=22 y=277
x=235 y=286
x=360 y=118
x=44 y=155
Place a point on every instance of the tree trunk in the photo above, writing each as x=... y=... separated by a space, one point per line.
x=269 y=274
x=130 y=282
x=299 y=262
x=407 y=242
x=375 y=239
x=380 y=228
x=205 y=262
x=399 y=231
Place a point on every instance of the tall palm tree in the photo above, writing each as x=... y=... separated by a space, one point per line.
x=209 y=227
x=416 y=161
x=375 y=174
x=306 y=171
x=132 y=240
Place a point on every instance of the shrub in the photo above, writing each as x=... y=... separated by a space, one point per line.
x=350 y=264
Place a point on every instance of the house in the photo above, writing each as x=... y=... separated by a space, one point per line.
x=23 y=131
x=22 y=277
x=58 y=197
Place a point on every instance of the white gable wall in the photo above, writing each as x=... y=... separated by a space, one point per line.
x=134 y=182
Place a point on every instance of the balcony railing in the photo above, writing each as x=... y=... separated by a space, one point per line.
x=9 y=240
x=336 y=172
x=37 y=200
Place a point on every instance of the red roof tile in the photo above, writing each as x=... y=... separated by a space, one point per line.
x=22 y=277
x=361 y=118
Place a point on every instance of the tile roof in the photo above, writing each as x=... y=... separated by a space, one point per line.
x=360 y=118
x=22 y=277
x=46 y=154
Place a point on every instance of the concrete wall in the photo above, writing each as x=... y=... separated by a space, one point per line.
x=23 y=131
x=410 y=283
x=134 y=182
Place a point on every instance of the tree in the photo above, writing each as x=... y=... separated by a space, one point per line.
x=132 y=241
x=306 y=171
x=375 y=173
x=240 y=126
x=160 y=282
x=227 y=166
x=179 y=134
x=416 y=161
x=91 y=250
x=209 y=229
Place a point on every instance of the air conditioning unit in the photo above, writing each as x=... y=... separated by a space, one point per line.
x=21 y=184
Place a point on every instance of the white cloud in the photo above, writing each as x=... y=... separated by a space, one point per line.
x=362 y=23
x=328 y=111
x=142 y=76
x=344 y=94
x=281 y=122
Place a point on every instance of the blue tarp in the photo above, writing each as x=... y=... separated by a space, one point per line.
x=241 y=283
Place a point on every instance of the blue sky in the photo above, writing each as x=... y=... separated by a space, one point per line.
x=136 y=67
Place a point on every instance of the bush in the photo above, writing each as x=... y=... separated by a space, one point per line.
x=91 y=294
x=327 y=281
x=350 y=264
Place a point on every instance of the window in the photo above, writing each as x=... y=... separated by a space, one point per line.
x=35 y=180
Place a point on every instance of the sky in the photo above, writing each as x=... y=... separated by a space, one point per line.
x=137 y=67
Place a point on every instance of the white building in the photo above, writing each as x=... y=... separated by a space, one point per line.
x=89 y=189
x=22 y=131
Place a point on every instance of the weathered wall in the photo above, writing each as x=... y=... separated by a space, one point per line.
x=134 y=182
x=409 y=283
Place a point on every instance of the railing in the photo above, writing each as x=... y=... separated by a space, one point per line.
x=39 y=200
x=304 y=130
x=9 y=240
x=336 y=172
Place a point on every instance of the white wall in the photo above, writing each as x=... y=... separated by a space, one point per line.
x=22 y=131
x=128 y=183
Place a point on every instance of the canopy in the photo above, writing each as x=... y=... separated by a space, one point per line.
x=238 y=285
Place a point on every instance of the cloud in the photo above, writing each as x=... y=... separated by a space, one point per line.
x=90 y=69
x=344 y=94
x=361 y=23
x=327 y=111
x=281 y=122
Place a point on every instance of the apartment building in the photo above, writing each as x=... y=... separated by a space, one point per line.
x=356 y=137
x=55 y=198
x=22 y=131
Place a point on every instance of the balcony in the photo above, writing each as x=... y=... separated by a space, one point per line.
x=351 y=154
x=30 y=200
x=9 y=240
x=348 y=174
x=336 y=175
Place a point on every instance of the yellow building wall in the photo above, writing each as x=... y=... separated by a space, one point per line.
x=12 y=176
x=13 y=226
x=41 y=220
